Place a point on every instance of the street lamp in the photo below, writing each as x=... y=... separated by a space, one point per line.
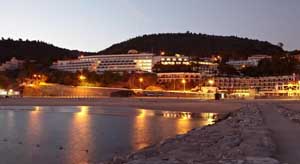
x=183 y=81
x=211 y=82
x=82 y=78
x=141 y=80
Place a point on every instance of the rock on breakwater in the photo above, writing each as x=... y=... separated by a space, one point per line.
x=242 y=138
x=289 y=114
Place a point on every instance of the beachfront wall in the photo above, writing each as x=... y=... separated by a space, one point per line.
x=67 y=91
x=54 y=90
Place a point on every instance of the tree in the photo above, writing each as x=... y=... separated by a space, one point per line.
x=280 y=44
x=275 y=67
x=148 y=79
x=4 y=82
x=226 y=69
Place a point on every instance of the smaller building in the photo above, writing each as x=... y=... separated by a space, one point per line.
x=172 y=60
x=283 y=90
x=259 y=83
x=12 y=64
x=252 y=61
x=178 y=76
x=259 y=57
x=75 y=65
x=206 y=68
x=240 y=64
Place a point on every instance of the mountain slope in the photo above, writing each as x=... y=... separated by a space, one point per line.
x=195 y=45
x=33 y=50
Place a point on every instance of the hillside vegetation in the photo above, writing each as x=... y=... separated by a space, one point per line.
x=192 y=44
x=42 y=52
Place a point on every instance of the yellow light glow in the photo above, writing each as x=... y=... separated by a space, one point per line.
x=211 y=82
x=81 y=77
x=83 y=110
x=183 y=81
x=140 y=137
x=177 y=55
x=42 y=83
x=81 y=125
x=209 y=118
x=141 y=80
x=37 y=108
x=144 y=113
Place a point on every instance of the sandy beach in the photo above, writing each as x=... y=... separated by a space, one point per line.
x=170 y=104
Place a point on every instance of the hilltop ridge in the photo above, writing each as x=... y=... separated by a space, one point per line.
x=192 y=44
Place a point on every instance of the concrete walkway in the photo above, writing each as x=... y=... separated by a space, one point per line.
x=286 y=134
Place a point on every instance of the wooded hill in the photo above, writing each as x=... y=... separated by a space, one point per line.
x=192 y=44
x=42 y=52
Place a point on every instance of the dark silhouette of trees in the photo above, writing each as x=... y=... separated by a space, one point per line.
x=39 y=51
x=280 y=44
x=225 y=69
x=276 y=66
x=192 y=44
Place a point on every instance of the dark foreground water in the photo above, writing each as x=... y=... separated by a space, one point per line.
x=50 y=135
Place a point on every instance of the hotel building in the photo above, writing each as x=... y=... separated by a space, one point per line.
x=172 y=60
x=141 y=62
x=178 y=76
x=258 y=83
x=74 y=65
x=206 y=68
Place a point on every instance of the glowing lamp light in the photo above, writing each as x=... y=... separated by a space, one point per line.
x=141 y=80
x=81 y=77
x=183 y=81
x=211 y=82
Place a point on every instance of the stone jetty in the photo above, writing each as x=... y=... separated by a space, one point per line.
x=289 y=114
x=242 y=138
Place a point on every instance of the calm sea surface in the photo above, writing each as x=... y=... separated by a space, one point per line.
x=50 y=135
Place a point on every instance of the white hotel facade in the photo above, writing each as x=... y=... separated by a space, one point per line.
x=261 y=83
x=141 y=62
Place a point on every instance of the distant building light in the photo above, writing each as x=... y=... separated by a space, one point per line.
x=177 y=55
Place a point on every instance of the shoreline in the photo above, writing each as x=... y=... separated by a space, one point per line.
x=180 y=104
x=166 y=104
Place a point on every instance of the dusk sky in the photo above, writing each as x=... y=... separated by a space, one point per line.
x=93 y=25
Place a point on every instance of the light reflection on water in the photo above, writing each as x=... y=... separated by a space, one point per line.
x=79 y=143
x=90 y=133
x=140 y=125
